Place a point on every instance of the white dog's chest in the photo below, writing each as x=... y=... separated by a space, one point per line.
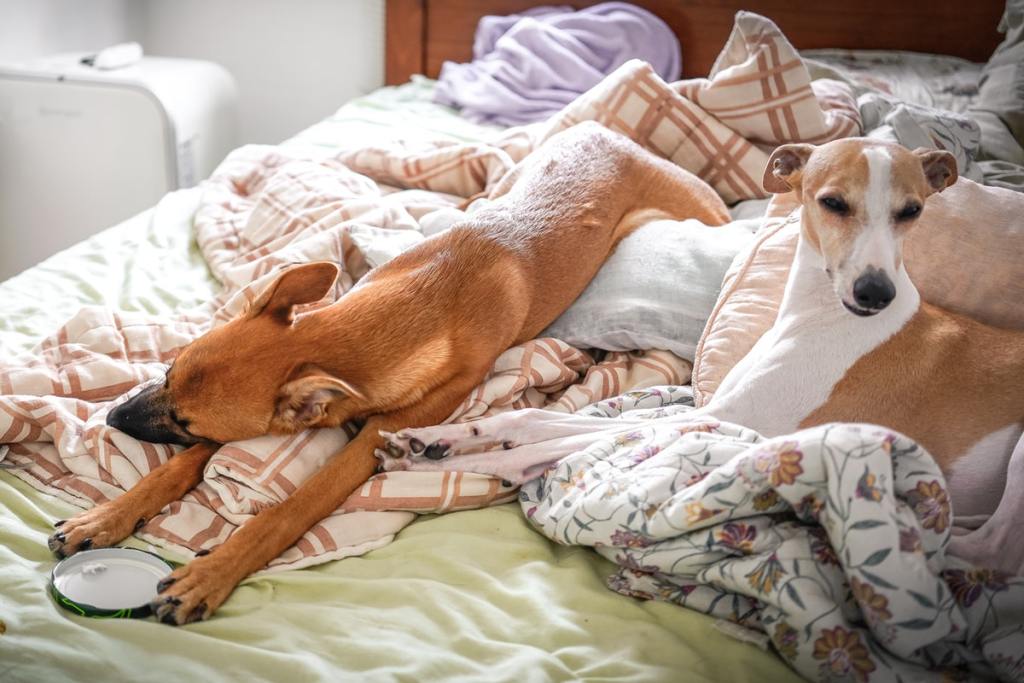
x=794 y=367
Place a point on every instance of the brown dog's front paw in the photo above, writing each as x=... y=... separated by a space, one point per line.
x=100 y=527
x=193 y=592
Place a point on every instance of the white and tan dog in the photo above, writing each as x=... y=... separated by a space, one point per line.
x=853 y=342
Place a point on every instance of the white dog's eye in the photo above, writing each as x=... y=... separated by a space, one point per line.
x=908 y=212
x=835 y=205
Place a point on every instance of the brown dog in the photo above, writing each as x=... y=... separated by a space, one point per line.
x=402 y=349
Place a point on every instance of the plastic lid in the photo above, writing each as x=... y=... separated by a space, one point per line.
x=108 y=582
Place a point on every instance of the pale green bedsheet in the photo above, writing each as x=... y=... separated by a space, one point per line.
x=466 y=596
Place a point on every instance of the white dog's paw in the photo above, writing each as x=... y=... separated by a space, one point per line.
x=440 y=442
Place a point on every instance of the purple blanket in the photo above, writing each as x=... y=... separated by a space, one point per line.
x=528 y=66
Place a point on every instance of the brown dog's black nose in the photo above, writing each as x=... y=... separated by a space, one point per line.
x=146 y=416
x=118 y=419
x=874 y=290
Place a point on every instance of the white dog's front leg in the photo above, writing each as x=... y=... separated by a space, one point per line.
x=510 y=445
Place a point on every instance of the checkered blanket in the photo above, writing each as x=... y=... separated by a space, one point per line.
x=268 y=207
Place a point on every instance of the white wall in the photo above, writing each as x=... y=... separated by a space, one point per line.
x=33 y=28
x=296 y=61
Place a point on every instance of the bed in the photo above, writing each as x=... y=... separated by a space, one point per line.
x=467 y=595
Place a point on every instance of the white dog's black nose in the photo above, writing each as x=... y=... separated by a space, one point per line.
x=874 y=290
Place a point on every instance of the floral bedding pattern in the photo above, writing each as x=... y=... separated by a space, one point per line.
x=831 y=541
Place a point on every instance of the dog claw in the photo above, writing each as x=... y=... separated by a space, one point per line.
x=164 y=583
x=59 y=523
x=55 y=543
x=85 y=545
x=202 y=551
x=139 y=524
x=168 y=618
x=197 y=614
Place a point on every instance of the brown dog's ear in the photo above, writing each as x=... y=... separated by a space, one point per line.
x=939 y=167
x=297 y=285
x=304 y=400
x=785 y=166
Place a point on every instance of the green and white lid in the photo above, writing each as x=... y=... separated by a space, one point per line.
x=108 y=582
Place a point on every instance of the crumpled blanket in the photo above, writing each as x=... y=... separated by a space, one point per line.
x=528 y=66
x=265 y=208
x=939 y=108
x=914 y=126
x=830 y=541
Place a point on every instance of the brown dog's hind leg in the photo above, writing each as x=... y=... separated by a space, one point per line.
x=194 y=591
x=110 y=522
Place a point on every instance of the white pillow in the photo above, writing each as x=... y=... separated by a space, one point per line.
x=657 y=289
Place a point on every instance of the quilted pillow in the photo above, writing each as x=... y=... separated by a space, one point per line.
x=656 y=290
x=965 y=255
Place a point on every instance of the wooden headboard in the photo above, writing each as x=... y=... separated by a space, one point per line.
x=421 y=34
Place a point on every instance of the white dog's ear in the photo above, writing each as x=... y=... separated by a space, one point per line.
x=785 y=166
x=939 y=167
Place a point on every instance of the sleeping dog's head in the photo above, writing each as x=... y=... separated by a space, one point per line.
x=246 y=378
x=860 y=197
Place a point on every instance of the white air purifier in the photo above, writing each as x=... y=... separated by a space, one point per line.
x=83 y=148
